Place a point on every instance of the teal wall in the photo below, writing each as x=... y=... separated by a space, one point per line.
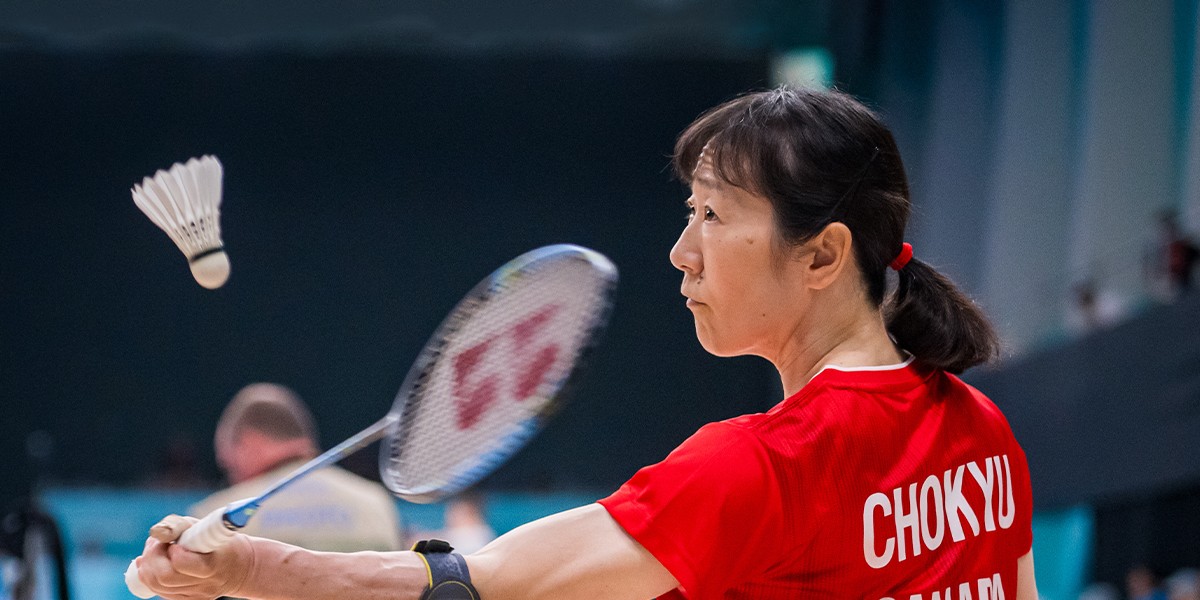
x=105 y=528
x=1062 y=551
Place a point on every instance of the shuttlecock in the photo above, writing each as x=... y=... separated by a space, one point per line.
x=185 y=202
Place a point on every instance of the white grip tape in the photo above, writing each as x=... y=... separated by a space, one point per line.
x=207 y=535
x=134 y=583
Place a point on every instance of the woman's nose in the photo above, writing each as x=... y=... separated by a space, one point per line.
x=685 y=255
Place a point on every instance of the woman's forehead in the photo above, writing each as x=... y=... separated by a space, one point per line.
x=721 y=170
x=703 y=159
x=705 y=173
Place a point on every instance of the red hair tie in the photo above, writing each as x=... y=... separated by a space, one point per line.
x=905 y=256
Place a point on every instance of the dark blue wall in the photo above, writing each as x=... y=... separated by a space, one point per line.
x=365 y=193
x=1111 y=416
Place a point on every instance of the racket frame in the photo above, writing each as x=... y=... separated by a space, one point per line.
x=470 y=470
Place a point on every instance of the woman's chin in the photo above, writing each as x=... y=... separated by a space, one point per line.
x=716 y=346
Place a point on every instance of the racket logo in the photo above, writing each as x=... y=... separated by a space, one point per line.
x=476 y=389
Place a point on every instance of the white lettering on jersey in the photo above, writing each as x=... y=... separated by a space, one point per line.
x=956 y=503
x=1008 y=509
x=986 y=483
x=910 y=521
x=989 y=588
x=876 y=500
x=964 y=591
x=939 y=506
x=931 y=486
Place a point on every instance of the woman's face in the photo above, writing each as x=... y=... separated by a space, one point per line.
x=745 y=299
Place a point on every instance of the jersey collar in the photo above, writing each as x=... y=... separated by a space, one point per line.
x=899 y=376
x=895 y=367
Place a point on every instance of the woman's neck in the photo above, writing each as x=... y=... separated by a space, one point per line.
x=843 y=332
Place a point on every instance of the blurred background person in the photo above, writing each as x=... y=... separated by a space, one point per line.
x=1170 y=259
x=1142 y=584
x=265 y=432
x=1094 y=308
x=1100 y=591
x=33 y=563
x=466 y=526
x=1183 y=584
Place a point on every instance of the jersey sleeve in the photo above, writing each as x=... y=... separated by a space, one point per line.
x=1023 y=498
x=708 y=512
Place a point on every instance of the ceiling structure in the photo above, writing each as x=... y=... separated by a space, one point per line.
x=655 y=27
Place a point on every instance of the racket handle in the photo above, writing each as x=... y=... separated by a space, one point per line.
x=134 y=583
x=207 y=535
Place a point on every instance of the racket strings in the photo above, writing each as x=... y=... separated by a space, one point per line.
x=492 y=372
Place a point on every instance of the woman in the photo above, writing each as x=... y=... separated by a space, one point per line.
x=879 y=476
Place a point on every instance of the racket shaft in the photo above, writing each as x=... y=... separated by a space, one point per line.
x=353 y=444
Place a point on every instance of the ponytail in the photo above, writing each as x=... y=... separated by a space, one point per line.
x=937 y=323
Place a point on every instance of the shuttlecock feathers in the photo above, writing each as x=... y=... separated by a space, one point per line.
x=185 y=202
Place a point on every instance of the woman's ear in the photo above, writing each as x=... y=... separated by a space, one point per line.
x=827 y=255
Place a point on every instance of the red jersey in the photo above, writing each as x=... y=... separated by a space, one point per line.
x=895 y=482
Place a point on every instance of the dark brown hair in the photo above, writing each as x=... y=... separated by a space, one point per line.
x=823 y=157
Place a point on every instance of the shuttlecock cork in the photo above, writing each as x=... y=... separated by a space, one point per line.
x=185 y=201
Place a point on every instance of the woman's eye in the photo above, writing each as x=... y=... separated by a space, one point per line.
x=691 y=212
x=709 y=215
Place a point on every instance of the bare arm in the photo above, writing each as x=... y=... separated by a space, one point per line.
x=577 y=554
x=262 y=569
x=1026 y=586
x=580 y=553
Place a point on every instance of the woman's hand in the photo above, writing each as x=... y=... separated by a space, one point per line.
x=176 y=573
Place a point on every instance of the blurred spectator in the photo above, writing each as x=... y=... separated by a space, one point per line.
x=1183 y=584
x=1100 y=591
x=1142 y=584
x=266 y=432
x=1171 y=259
x=466 y=528
x=31 y=548
x=1085 y=307
x=178 y=469
x=1092 y=309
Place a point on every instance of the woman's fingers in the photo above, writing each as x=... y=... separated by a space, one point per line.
x=169 y=529
x=154 y=566
x=191 y=564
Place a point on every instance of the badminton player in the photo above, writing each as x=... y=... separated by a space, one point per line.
x=880 y=475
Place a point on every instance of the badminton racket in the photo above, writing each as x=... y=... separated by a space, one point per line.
x=482 y=387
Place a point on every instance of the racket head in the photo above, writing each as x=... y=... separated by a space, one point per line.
x=495 y=370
